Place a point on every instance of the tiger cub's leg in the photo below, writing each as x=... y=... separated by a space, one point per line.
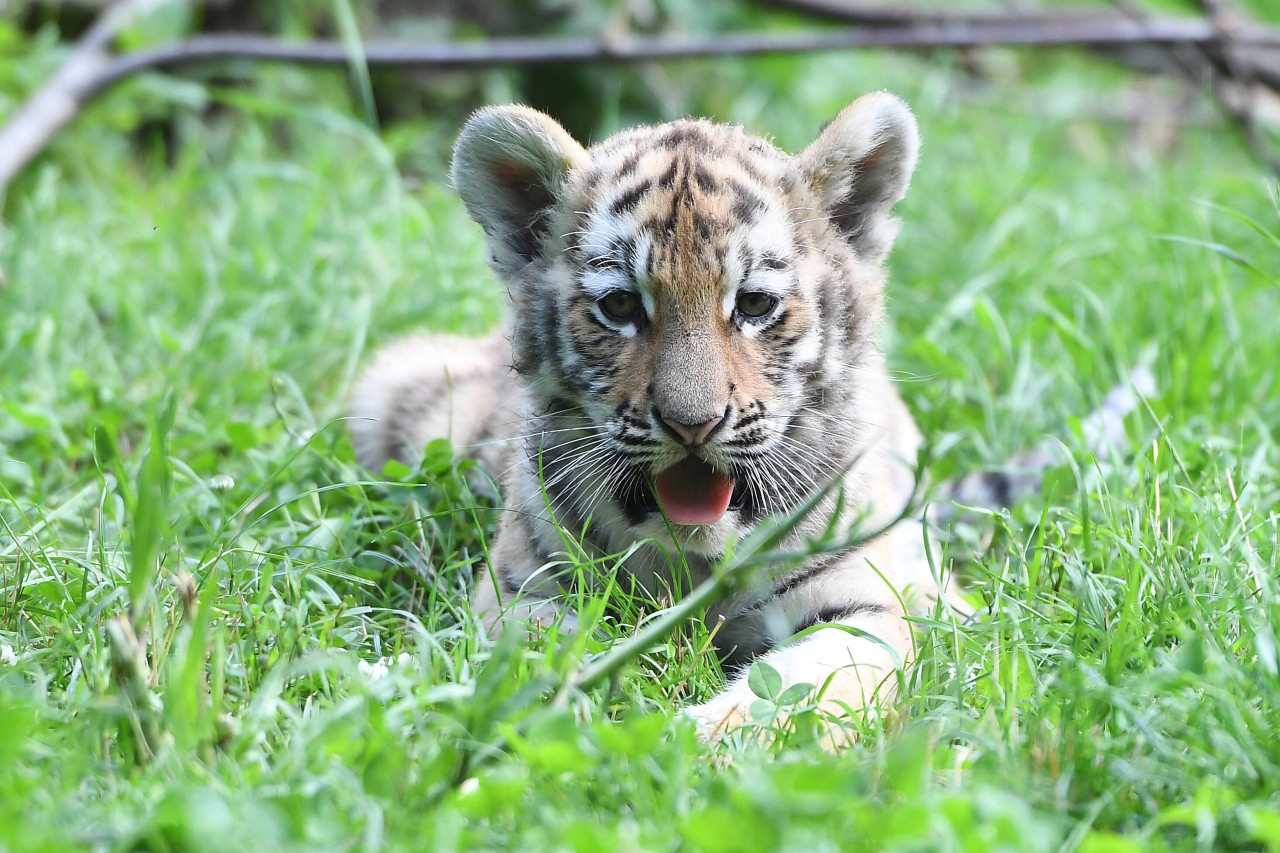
x=517 y=585
x=851 y=666
x=857 y=662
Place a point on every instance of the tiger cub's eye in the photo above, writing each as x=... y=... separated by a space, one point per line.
x=754 y=304
x=620 y=305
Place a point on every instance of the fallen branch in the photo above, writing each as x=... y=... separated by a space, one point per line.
x=533 y=51
x=879 y=15
x=1230 y=65
x=1258 y=60
x=91 y=72
x=60 y=99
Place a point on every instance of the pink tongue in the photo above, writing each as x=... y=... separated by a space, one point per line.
x=692 y=492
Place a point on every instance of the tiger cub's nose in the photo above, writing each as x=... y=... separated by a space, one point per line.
x=692 y=434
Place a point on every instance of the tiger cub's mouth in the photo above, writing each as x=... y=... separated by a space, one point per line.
x=689 y=492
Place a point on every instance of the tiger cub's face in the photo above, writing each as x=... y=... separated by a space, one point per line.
x=692 y=305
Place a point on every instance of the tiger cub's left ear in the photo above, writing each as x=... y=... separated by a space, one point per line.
x=860 y=166
x=510 y=166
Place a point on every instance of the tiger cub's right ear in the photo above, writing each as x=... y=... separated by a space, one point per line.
x=860 y=166
x=509 y=166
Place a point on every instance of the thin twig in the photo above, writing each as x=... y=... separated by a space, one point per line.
x=1263 y=63
x=1228 y=66
x=91 y=71
x=533 y=51
x=880 y=15
x=60 y=99
x=1231 y=66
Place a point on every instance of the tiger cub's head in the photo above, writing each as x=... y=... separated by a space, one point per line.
x=693 y=307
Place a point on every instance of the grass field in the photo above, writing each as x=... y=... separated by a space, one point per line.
x=217 y=633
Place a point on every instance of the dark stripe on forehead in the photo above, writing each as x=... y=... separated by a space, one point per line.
x=627 y=201
x=703 y=224
x=628 y=165
x=661 y=223
x=669 y=175
x=683 y=134
x=703 y=177
x=747 y=208
x=748 y=203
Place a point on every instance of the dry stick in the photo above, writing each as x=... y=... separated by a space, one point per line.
x=532 y=51
x=60 y=99
x=1184 y=60
x=1264 y=67
x=1218 y=61
x=875 y=15
x=1225 y=65
x=72 y=88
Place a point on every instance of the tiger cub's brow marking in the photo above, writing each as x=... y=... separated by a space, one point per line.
x=694 y=319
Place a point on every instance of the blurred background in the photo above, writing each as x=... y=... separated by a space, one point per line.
x=212 y=213
x=258 y=190
x=1088 y=62
x=298 y=212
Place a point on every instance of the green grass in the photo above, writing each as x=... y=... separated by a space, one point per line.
x=225 y=635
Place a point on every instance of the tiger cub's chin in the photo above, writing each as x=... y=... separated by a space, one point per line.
x=707 y=541
x=693 y=331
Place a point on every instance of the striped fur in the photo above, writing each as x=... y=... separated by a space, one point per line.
x=700 y=227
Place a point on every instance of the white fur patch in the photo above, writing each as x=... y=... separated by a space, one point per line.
x=809 y=347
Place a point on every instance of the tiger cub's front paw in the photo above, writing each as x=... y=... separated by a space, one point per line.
x=739 y=709
x=724 y=713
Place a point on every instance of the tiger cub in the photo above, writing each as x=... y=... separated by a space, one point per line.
x=694 y=318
